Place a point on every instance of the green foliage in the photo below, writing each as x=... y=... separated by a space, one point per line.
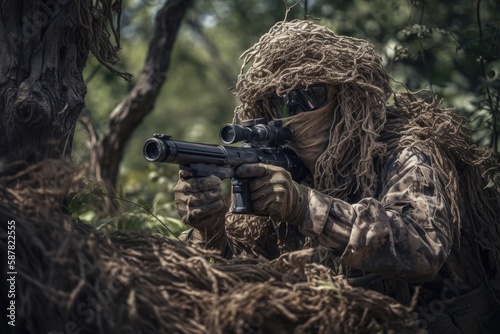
x=156 y=216
x=451 y=49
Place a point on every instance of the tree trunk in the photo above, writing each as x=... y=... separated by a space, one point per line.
x=44 y=45
x=41 y=84
x=141 y=99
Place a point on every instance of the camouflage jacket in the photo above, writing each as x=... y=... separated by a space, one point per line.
x=404 y=232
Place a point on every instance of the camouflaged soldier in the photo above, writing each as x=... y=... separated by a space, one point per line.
x=397 y=196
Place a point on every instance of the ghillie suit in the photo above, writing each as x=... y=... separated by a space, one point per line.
x=349 y=62
x=364 y=134
x=74 y=278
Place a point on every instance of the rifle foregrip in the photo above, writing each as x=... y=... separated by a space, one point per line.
x=241 y=202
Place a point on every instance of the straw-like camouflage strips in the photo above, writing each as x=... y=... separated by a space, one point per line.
x=301 y=53
x=365 y=129
x=473 y=173
x=71 y=277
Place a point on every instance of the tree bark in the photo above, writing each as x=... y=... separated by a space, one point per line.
x=141 y=99
x=41 y=85
x=44 y=45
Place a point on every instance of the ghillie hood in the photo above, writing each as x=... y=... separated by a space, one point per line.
x=300 y=53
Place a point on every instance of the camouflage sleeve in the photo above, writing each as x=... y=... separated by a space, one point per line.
x=403 y=233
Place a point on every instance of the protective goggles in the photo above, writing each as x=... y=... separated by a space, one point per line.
x=298 y=100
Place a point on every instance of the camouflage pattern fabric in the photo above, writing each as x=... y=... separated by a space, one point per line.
x=404 y=232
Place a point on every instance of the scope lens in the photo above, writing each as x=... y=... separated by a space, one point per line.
x=152 y=150
x=228 y=134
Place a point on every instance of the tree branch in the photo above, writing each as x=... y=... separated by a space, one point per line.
x=141 y=99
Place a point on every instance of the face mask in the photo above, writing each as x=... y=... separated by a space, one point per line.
x=311 y=133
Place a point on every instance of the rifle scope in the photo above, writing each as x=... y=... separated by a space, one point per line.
x=258 y=133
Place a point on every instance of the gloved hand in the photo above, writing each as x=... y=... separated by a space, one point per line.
x=200 y=202
x=274 y=193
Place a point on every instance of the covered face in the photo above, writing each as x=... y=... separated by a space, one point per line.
x=285 y=65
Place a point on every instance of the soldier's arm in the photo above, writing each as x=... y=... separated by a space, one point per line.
x=404 y=233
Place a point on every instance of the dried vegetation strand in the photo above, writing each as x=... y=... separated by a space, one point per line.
x=30 y=189
x=100 y=22
x=471 y=173
x=70 y=274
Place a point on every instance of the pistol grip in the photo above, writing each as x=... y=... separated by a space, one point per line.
x=241 y=202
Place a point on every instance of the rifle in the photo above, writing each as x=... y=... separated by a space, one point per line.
x=261 y=142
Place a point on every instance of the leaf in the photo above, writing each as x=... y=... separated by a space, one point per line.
x=494 y=181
